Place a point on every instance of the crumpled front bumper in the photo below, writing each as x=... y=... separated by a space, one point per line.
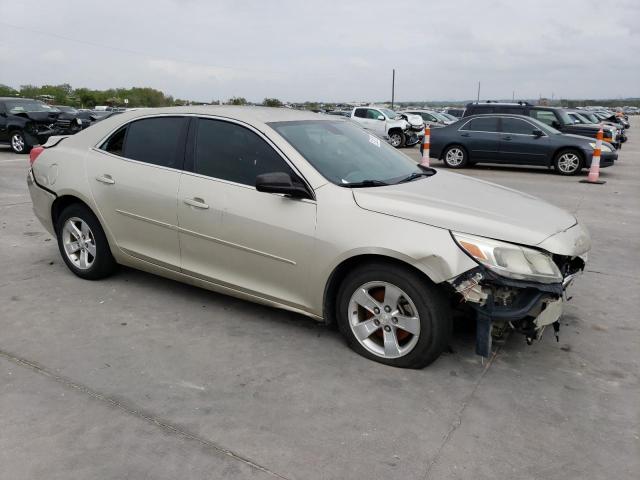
x=502 y=304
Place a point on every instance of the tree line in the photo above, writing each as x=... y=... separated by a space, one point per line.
x=65 y=94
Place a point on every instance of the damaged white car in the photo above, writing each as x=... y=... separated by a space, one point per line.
x=312 y=214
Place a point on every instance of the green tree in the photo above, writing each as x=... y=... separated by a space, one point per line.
x=7 y=91
x=272 y=102
x=237 y=101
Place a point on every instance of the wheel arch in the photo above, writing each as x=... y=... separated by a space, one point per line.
x=339 y=273
x=62 y=202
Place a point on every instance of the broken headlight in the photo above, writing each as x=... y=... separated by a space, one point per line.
x=510 y=260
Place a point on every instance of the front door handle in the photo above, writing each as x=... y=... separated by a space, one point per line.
x=508 y=137
x=105 y=179
x=196 y=202
x=465 y=135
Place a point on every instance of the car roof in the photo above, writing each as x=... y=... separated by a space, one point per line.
x=15 y=98
x=248 y=114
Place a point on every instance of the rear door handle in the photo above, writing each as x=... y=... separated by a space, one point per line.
x=105 y=179
x=508 y=137
x=465 y=135
x=196 y=202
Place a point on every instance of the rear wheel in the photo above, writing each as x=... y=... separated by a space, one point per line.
x=393 y=316
x=18 y=142
x=455 y=157
x=83 y=244
x=568 y=162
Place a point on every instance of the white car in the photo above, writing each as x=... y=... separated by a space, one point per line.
x=309 y=213
x=383 y=121
x=430 y=117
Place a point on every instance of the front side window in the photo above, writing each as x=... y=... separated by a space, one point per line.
x=157 y=141
x=482 y=124
x=231 y=152
x=344 y=153
x=517 y=126
x=373 y=114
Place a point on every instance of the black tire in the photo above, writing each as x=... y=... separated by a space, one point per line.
x=568 y=162
x=433 y=310
x=455 y=156
x=396 y=135
x=103 y=263
x=18 y=142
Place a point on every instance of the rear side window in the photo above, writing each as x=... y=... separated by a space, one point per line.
x=115 y=143
x=231 y=152
x=489 y=124
x=157 y=141
x=515 y=125
x=361 y=113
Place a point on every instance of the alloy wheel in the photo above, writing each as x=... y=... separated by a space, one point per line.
x=454 y=157
x=17 y=142
x=568 y=162
x=384 y=319
x=396 y=140
x=79 y=243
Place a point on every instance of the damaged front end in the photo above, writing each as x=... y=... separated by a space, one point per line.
x=506 y=296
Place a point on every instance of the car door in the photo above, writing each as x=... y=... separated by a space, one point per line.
x=379 y=127
x=481 y=138
x=230 y=233
x=518 y=144
x=4 y=131
x=134 y=177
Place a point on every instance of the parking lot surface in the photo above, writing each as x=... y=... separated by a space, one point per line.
x=141 y=377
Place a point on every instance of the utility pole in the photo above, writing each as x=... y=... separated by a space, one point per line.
x=478 y=91
x=393 y=87
x=513 y=97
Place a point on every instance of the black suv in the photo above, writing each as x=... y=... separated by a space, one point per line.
x=555 y=117
x=25 y=123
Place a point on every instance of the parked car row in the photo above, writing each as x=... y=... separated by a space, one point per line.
x=402 y=129
x=25 y=122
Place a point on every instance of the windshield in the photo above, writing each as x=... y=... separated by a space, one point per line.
x=566 y=119
x=19 y=106
x=66 y=109
x=389 y=113
x=450 y=117
x=440 y=116
x=344 y=153
x=581 y=118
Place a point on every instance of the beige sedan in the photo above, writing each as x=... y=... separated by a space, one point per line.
x=309 y=213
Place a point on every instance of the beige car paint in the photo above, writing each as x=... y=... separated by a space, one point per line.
x=269 y=248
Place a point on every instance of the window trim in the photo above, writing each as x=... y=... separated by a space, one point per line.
x=187 y=162
x=481 y=131
x=534 y=127
x=179 y=167
x=190 y=162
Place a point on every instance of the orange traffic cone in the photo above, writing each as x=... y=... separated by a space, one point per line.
x=425 y=146
x=594 y=170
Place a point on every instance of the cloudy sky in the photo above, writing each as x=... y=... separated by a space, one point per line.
x=333 y=50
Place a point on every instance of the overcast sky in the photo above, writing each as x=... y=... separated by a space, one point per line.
x=329 y=50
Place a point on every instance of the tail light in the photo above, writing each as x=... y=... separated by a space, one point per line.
x=34 y=153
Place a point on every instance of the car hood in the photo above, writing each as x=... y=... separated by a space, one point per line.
x=463 y=204
x=39 y=116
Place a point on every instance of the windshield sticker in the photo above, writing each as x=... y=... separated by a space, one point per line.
x=374 y=140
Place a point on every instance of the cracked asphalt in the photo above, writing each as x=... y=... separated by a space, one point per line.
x=144 y=378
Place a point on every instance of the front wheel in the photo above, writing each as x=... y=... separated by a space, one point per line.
x=396 y=139
x=18 y=142
x=568 y=162
x=83 y=244
x=455 y=157
x=393 y=316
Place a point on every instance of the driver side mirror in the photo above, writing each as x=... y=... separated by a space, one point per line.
x=380 y=117
x=538 y=133
x=555 y=124
x=280 y=182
